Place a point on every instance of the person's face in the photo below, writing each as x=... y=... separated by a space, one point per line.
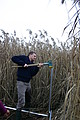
x=33 y=57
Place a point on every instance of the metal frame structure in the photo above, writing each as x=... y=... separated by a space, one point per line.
x=39 y=114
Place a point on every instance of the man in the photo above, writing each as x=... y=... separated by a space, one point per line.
x=24 y=75
x=3 y=111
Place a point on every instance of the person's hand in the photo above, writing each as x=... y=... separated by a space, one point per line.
x=25 y=65
x=40 y=64
x=7 y=113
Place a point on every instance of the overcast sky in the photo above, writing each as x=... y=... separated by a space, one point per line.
x=20 y=15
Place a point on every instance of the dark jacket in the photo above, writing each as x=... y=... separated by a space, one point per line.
x=3 y=110
x=24 y=73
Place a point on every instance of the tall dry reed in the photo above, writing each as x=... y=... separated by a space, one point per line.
x=66 y=74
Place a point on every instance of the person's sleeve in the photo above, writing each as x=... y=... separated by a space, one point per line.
x=18 y=60
x=34 y=70
x=3 y=110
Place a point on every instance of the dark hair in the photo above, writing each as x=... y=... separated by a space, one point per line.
x=31 y=52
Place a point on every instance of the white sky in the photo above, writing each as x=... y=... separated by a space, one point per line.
x=20 y=15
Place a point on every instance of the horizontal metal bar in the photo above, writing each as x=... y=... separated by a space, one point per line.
x=34 y=113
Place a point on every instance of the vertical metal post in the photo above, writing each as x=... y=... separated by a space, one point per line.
x=50 y=112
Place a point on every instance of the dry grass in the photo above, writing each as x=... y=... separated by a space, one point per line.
x=65 y=102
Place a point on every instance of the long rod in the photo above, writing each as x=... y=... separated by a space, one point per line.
x=50 y=93
x=36 y=64
x=34 y=113
x=27 y=65
x=50 y=115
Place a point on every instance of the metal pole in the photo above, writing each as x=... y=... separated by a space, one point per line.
x=34 y=113
x=50 y=112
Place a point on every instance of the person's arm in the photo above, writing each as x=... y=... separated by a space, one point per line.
x=40 y=65
x=35 y=69
x=3 y=110
x=19 y=60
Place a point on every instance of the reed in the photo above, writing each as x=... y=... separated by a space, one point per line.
x=66 y=75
